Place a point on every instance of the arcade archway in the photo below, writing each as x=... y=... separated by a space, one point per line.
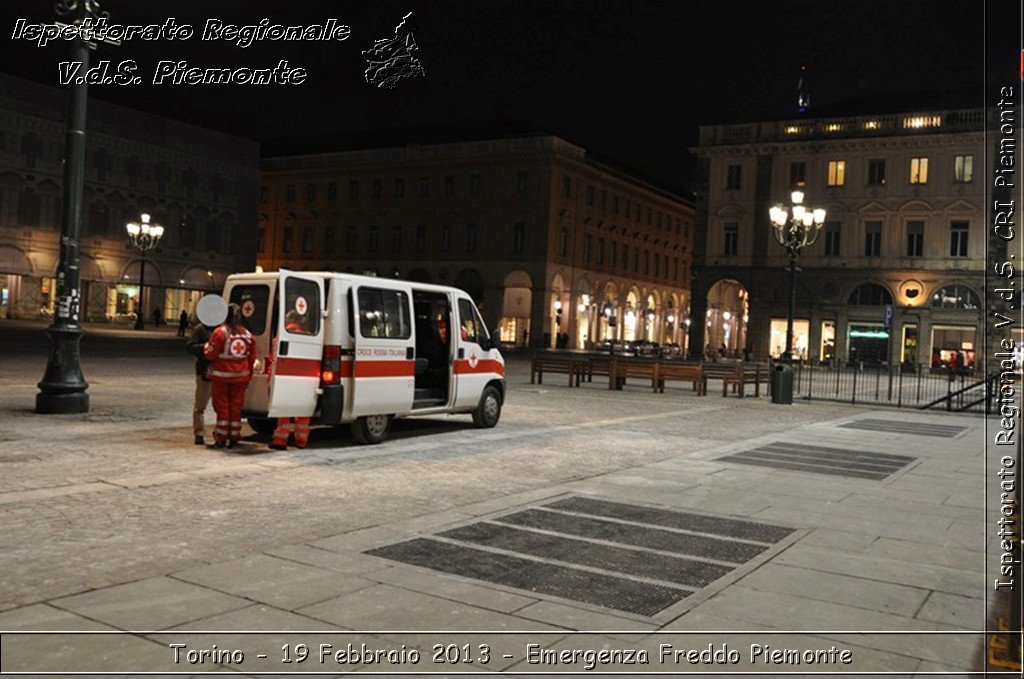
x=727 y=317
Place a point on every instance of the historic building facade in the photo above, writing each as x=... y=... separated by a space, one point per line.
x=897 y=272
x=199 y=184
x=557 y=248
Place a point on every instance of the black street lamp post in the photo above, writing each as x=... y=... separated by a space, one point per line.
x=144 y=237
x=63 y=387
x=795 y=227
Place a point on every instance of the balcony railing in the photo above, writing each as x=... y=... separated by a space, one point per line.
x=928 y=122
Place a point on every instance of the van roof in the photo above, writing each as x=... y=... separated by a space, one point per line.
x=355 y=278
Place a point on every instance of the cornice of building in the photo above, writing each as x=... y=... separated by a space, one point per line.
x=852 y=129
x=47 y=103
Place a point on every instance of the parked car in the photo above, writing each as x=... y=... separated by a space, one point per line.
x=671 y=350
x=647 y=348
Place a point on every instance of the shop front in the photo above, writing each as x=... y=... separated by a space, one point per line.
x=868 y=343
x=827 y=350
x=801 y=337
x=953 y=347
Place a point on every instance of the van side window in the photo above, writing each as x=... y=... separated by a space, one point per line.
x=253 y=300
x=301 y=307
x=472 y=329
x=384 y=313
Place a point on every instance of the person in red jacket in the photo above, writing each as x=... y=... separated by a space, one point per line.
x=231 y=355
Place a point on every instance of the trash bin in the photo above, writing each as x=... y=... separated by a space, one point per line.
x=782 y=384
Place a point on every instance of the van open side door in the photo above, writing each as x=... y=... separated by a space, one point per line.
x=298 y=346
x=385 y=349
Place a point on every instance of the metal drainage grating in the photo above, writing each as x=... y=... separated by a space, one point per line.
x=670 y=518
x=821 y=460
x=623 y=557
x=913 y=428
x=535 y=576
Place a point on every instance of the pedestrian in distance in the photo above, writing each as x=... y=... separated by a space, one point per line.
x=156 y=316
x=231 y=354
x=196 y=345
x=296 y=427
x=182 y=323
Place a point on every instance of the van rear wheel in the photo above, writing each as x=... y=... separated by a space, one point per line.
x=371 y=429
x=488 y=411
x=263 y=425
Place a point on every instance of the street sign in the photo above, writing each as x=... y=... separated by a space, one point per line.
x=888 y=316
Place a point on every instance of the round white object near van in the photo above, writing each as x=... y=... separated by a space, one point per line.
x=211 y=310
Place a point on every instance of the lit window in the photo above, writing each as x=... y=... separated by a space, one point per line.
x=963 y=169
x=834 y=127
x=872 y=125
x=794 y=129
x=919 y=122
x=836 y=172
x=918 y=170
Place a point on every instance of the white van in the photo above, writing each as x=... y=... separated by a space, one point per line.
x=364 y=350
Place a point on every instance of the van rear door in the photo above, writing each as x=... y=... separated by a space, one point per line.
x=383 y=372
x=295 y=375
x=255 y=296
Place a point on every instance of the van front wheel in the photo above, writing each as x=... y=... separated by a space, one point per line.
x=372 y=428
x=488 y=411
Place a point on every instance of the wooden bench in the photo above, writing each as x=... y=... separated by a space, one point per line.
x=602 y=366
x=623 y=370
x=738 y=375
x=683 y=372
x=566 y=365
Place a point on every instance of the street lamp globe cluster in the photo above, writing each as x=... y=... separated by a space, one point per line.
x=795 y=227
x=144 y=237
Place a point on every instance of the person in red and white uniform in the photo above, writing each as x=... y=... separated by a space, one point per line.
x=231 y=354
x=296 y=427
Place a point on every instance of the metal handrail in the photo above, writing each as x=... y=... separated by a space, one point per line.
x=948 y=398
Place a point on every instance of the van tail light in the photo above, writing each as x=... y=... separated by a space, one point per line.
x=330 y=366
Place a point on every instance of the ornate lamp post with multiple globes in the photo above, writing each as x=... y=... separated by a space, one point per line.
x=144 y=237
x=795 y=227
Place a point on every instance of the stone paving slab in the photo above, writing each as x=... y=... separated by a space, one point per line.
x=841 y=589
x=271 y=580
x=75 y=654
x=927 y=552
x=354 y=563
x=386 y=608
x=451 y=587
x=810 y=615
x=153 y=604
x=911 y=574
x=951 y=609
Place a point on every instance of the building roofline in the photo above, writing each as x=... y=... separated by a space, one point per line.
x=540 y=141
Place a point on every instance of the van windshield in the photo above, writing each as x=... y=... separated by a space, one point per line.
x=253 y=301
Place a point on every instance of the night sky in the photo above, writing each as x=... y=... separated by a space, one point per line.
x=629 y=80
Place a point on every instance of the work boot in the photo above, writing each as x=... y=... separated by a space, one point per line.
x=231 y=444
x=278 y=446
x=199 y=440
